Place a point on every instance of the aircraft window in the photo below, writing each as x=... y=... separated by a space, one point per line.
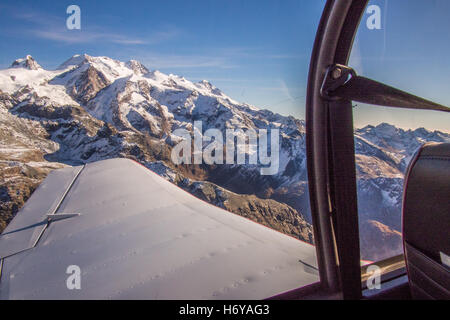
x=403 y=44
x=210 y=95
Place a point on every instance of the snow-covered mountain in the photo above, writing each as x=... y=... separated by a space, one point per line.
x=28 y=62
x=382 y=155
x=93 y=108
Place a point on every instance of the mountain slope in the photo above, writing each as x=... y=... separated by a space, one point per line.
x=93 y=108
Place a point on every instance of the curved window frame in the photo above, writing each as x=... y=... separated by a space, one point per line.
x=331 y=153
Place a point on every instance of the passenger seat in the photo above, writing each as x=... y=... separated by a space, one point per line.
x=426 y=222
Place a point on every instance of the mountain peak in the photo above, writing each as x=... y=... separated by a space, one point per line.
x=386 y=129
x=28 y=62
x=137 y=67
x=210 y=87
x=206 y=83
x=385 y=125
x=75 y=60
x=422 y=131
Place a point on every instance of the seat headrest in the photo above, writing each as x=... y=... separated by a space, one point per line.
x=426 y=200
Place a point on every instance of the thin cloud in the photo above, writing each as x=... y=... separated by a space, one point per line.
x=183 y=60
x=186 y=61
x=223 y=58
x=128 y=41
x=53 y=28
x=80 y=36
x=287 y=56
x=285 y=90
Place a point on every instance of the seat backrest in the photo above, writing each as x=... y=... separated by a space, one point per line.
x=426 y=222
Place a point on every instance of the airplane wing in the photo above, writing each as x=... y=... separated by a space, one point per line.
x=135 y=235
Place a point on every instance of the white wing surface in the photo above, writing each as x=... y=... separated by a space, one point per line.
x=138 y=236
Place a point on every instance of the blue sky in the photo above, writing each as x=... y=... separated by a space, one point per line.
x=411 y=52
x=256 y=51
